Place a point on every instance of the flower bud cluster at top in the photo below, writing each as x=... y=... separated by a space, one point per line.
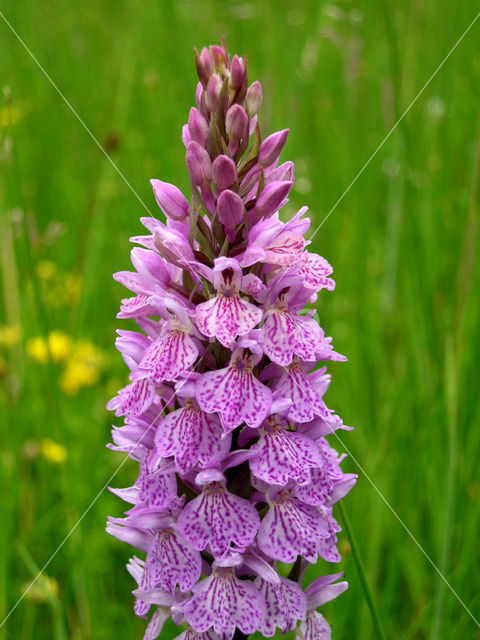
x=225 y=409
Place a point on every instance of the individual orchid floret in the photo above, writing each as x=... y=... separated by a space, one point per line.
x=192 y=437
x=170 y=200
x=224 y=409
x=218 y=518
x=224 y=602
x=224 y=172
x=291 y=528
x=174 y=350
x=296 y=384
x=281 y=455
x=235 y=392
x=170 y=562
x=271 y=147
x=286 y=604
x=227 y=315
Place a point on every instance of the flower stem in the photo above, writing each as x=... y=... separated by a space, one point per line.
x=362 y=575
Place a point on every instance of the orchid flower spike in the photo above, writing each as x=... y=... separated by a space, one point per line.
x=225 y=409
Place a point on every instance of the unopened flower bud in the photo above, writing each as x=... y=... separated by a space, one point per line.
x=230 y=208
x=272 y=197
x=236 y=122
x=236 y=73
x=205 y=65
x=186 y=138
x=199 y=164
x=198 y=95
x=198 y=127
x=253 y=99
x=214 y=89
x=220 y=57
x=224 y=171
x=284 y=172
x=170 y=200
x=271 y=147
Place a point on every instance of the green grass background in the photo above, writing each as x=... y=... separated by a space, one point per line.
x=403 y=243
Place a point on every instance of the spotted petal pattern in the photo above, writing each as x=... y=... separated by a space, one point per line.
x=169 y=356
x=281 y=455
x=315 y=627
x=133 y=399
x=224 y=602
x=193 y=437
x=191 y=634
x=285 y=605
x=217 y=518
x=237 y=395
x=291 y=528
x=315 y=270
x=306 y=402
x=170 y=561
x=227 y=318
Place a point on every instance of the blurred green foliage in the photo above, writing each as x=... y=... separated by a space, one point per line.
x=403 y=242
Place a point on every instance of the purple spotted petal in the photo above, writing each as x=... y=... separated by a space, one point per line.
x=170 y=561
x=315 y=270
x=191 y=634
x=281 y=455
x=291 y=528
x=237 y=395
x=193 y=437
x=217 y=518
x=327 y=546
x=168 y=357
x=134 y=399
x=285 y=605
x=224 y=602
x=156 y=623
x=278 y=336
x=136 y=307
x=157 y=489
x=306 y=402
x=315 y=627
x=227 y=318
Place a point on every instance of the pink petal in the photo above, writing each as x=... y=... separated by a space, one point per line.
x=278 y=336
x=282 y=455
x=227 y=318
x=291 y=528
x=285 y=250
x=217 y=517
x=155 y=627
x=192 y=437
x=306 y=403
x=237 y=395
x=133 y=307
x=285 y=605
x=225 y=602
x=314 y=628
x=314 y=269
x=169 y=356
x=170 y=561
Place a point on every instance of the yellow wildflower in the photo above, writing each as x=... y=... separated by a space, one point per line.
x=59 y=347
x=83 y=367
x=42 y=590
x=37 y=349
x=46 y=269
x=10 y=335
x=53 y=451
x=9 y=116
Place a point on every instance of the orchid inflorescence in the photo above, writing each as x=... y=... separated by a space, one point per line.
x=223 y=411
